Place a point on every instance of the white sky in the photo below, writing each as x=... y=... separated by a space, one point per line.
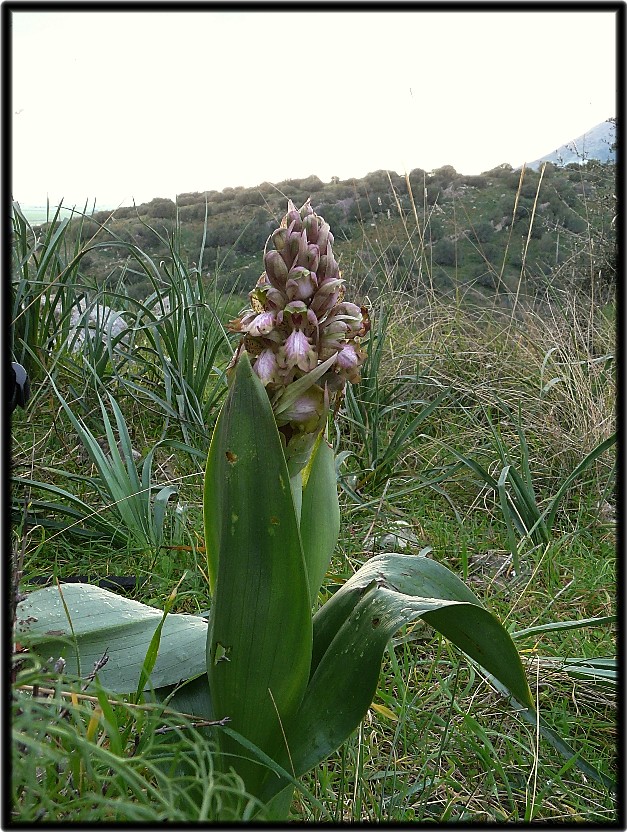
x=116 y=106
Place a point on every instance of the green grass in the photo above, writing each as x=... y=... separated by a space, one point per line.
x=440 y=743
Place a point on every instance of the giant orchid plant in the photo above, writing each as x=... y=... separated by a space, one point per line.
x=294 y=679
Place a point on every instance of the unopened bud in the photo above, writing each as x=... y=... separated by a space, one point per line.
x=323 y=236
x=276 y=269
x=292 y=248
x=311 y=257
x=306 y=210
x=279 y=238
x=293 y=219
x=311 y=226
x=327 y=267
x=305 y=412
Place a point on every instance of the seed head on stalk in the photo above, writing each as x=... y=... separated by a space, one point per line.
x=303 y=337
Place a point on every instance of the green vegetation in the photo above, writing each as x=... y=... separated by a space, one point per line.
x=499 y=232
x=484 y=420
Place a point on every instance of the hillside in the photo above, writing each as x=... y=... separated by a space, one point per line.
x=441 y=229
x=597 y=143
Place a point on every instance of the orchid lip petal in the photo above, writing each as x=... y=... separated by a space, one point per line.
x=299 y=351
x=262 y=324
x=266 y=366
x=347 y=357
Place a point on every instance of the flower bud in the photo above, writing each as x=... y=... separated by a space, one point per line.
x=311 y=226
x=311 y=257
x=266 y=297
x=306 y=210
x=301 y=252
x=328 y=285
x=348 y=309
x=322 y=303
x=347 y=357
x=276 y=269
x=292 y=248
x=305 y=412
x=327 y=268
x=323 y=236
x=301 y=284
x=279 y=238
x=332 y=335
x=293 y=219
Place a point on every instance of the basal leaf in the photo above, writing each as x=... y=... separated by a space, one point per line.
x=406 y=573
x=103 y=622
x=389 y=591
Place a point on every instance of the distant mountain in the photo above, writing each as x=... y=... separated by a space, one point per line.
x=596 y=143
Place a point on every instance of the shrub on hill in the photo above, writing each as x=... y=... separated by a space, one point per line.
x=162 y=208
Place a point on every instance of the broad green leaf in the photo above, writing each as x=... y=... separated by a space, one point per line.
x=259 y=644
x=296 y=484
x=393 y=590
x=345 y=681
x=406 y=573
x=102 y=621
x=320 y=514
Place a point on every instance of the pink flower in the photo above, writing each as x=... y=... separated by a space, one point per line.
x=262 y=324
x=304 y=412
x=298 y=352
x=266 y=367
x=347 y=357
x=301 y=284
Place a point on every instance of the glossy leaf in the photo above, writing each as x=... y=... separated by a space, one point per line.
x=259 y=645
x=351 y=633
x=102 y=621
x=406 y=573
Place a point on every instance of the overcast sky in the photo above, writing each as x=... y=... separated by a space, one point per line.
x=122 y=106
